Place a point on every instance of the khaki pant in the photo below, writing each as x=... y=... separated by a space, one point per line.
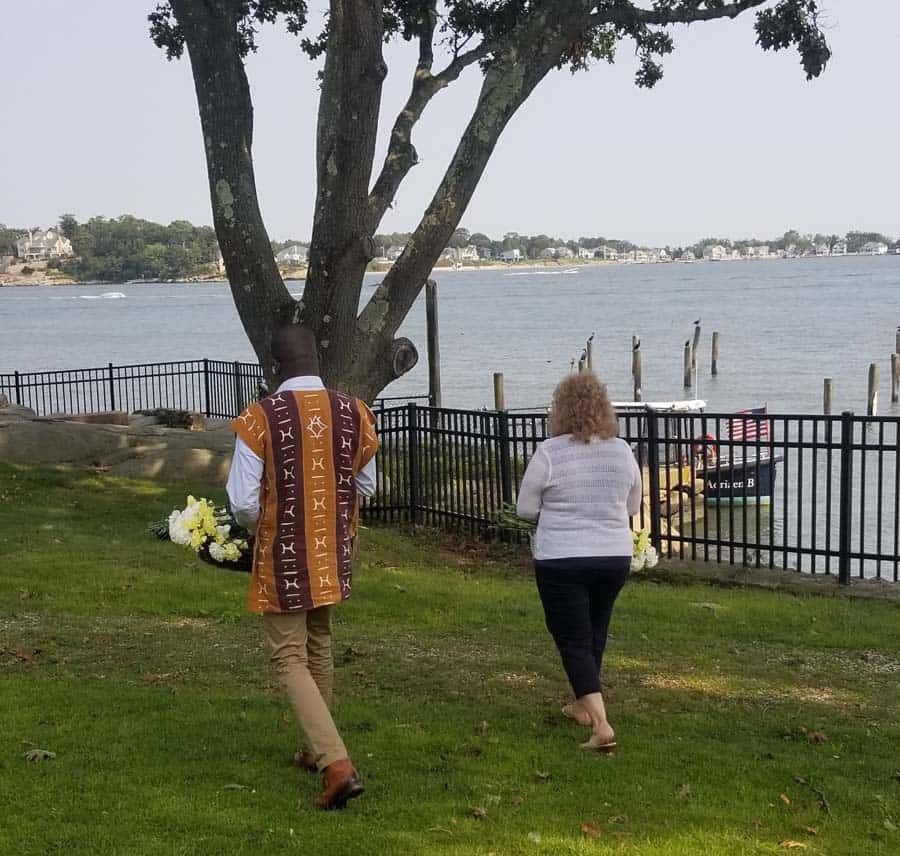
x=300 y=645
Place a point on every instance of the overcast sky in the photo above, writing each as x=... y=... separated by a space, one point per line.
x=732 y=142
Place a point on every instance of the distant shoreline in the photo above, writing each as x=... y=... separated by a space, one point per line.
x=299 y=274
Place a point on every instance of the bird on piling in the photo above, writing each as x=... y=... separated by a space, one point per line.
x=637 y=345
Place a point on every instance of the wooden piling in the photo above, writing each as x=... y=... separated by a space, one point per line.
x=897 y=342
x=434 y=346
x=872 y=398
x=688 y=373
x=590 y=354
x=827 y=390
x=499 y=393
x=635 y=344
x=895 y=378
x=714 y=368
x=694 y=346
x=637 y=372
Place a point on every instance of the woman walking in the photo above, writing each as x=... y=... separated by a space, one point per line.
x=582 y=485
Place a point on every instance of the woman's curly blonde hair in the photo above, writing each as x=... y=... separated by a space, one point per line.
x=581 y=407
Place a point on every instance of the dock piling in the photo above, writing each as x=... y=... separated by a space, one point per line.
x=637 y=371
x=828 y=389
x=872 y=398
x=434 y=347
x=695 y=345
x=688 y=373
x=715 y=354
x=895 y=378
x=499 y=392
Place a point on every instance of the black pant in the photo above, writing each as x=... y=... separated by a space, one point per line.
x=578 y=597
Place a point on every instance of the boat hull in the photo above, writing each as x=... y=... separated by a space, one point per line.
x=749 y=482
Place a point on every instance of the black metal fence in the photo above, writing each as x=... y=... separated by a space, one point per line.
x=216 y=388
x=819 y=494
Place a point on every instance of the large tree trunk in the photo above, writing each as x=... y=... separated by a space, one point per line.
x=342 y=244
x=226 y=117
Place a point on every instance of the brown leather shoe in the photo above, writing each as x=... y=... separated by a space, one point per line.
x=305 y=761
x=340 y=784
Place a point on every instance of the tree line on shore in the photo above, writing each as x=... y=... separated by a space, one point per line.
x=125 y=248
x=531 y=246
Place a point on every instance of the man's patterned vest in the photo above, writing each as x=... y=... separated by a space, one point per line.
x=312 y=443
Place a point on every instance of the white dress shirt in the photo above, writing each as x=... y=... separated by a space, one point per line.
x=245 y=477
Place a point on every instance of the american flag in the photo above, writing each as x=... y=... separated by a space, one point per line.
x=749 y=425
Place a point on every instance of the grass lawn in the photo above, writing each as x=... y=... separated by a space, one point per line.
x=749 y=722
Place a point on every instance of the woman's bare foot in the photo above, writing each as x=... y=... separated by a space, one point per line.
x=603 y=737
x=576 y=712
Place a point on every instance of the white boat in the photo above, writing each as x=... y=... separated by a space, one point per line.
x=107 y=295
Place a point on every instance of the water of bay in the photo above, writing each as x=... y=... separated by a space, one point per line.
x=784 y=325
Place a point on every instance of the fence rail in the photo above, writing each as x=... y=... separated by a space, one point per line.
x=819 y=494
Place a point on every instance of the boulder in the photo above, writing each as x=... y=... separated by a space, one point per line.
x=17 y=411
x=109 y=417
x=24 y=441
x=170 y=455
x=170 y=418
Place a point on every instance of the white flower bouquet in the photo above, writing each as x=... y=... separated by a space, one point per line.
x=643 y=553
x=209 y=531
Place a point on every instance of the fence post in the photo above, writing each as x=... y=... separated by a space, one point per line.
x=112 y=389
x=506 y=491
x=18 y=389
x=412 y=443
x=206 y=408
x=238 y=392
x=845 y=513
x=653 y=478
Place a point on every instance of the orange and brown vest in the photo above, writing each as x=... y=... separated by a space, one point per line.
x=313 y=443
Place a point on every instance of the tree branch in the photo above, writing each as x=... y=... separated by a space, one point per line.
x=532 y=50
x=401 y=155
x=625 y=15
x=426 y=37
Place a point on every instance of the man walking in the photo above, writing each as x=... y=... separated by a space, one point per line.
x=302 y=457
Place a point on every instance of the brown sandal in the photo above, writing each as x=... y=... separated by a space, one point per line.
x=610 y=748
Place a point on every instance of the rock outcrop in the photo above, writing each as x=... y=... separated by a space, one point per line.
x=140 y=449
